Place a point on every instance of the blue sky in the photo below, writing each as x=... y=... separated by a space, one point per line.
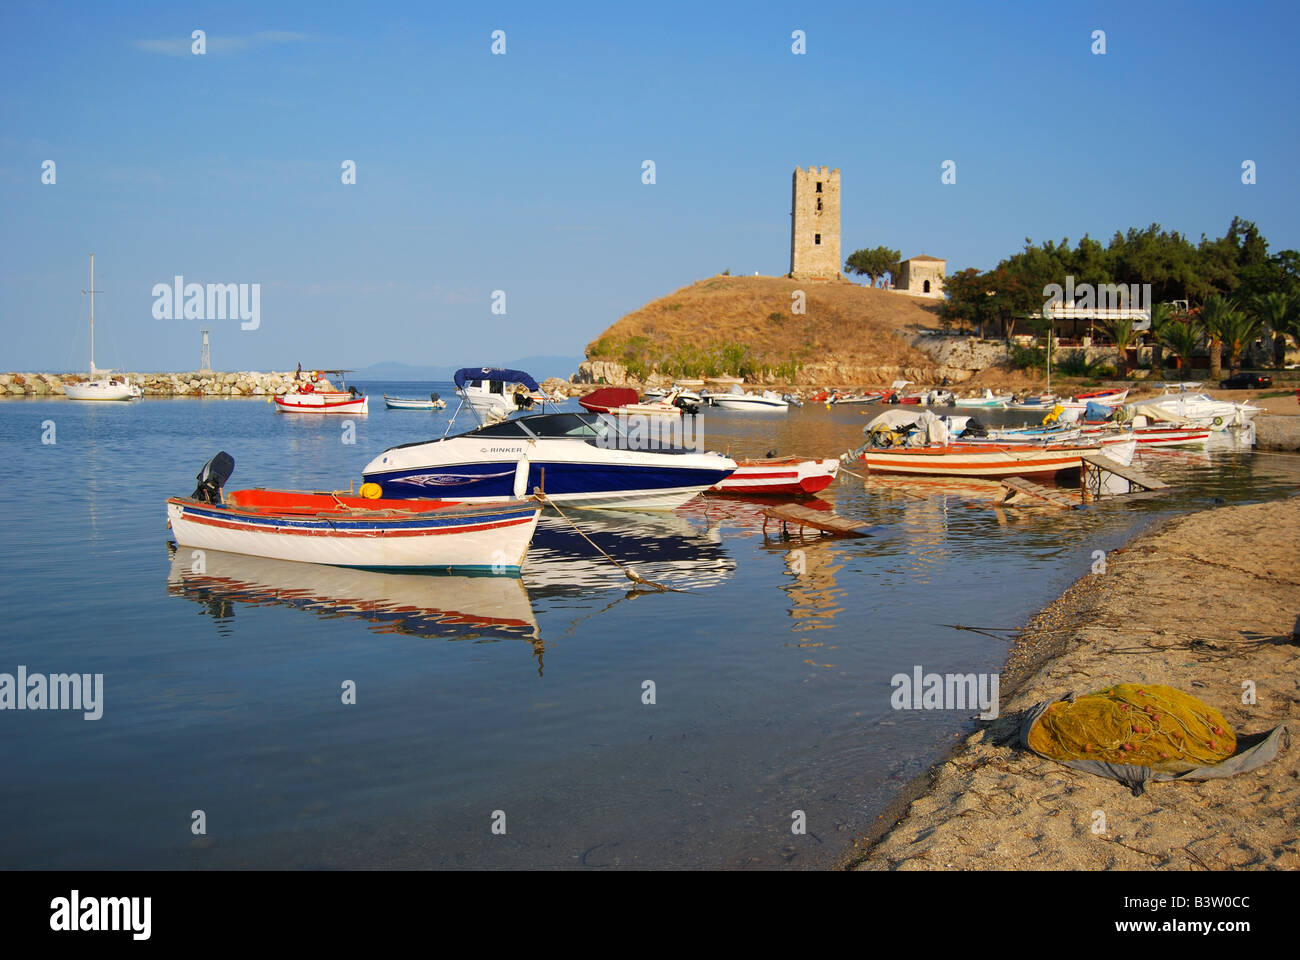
x=522 y=172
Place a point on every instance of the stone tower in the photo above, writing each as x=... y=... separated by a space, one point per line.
x=815 y=225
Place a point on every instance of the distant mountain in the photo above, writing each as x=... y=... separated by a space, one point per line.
x=539 y=367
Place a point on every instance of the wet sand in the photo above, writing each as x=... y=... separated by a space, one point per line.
x=1204 y=603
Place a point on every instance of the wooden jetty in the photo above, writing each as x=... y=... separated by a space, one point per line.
x=1019 y=489
x=1136 y=478
x=824 y=521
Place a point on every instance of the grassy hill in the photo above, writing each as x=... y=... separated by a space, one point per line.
x=744 y=326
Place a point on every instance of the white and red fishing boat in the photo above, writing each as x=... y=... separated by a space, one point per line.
x=1156 y=436
x=1078 y=404
x=317 y=395
x=343 y=530
x=790 y=476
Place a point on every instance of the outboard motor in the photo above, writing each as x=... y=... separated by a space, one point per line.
x=974 y=429
x=213 y=477
x=434 y=397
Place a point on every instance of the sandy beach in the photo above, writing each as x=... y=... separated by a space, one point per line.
x=1207 y=603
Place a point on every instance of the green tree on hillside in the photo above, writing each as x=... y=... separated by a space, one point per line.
x=873 y=263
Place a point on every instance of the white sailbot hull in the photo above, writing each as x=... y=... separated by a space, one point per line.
x=98 y=387
x=99 y=390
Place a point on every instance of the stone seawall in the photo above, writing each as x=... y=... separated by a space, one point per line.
x=1277 y=432
x=244 y=384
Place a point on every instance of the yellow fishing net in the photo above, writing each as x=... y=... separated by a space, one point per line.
x=1144 y=724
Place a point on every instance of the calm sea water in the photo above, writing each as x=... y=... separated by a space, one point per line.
x=479 y=699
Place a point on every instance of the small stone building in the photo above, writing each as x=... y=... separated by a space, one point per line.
x=921 y=276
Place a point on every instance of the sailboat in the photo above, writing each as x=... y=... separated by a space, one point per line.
x=98 y=387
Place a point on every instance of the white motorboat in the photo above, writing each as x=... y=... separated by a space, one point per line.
x=1198 y=409
x=987 y=399
x=100 y=386
x=678 y=391
x=738 y=399
x=583 y=459
x=495 y=392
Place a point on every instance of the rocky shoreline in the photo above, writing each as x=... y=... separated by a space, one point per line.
x=992 y=805
x=195 y=384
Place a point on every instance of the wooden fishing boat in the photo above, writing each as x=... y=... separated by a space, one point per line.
x=315 y=395
x=987 y=399
x=991 y=459
x=350 y=531
x=1149 y=437
x=871 y=396
x=790 y=476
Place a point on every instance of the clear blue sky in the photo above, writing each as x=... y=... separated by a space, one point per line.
x=523 y=172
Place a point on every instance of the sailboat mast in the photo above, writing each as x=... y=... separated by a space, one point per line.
x=92 y=316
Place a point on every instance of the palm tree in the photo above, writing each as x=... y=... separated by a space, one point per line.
x=1280 y=314
x=1121 y=331
x=1238 y=329
x=1162 y=315
x=1182 y=337
x=1213 y=313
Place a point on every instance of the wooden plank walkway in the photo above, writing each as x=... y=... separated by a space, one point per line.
x=1050 y=496
x=822 y=520
x=1135 y=477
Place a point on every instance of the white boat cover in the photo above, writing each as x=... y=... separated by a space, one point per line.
x=928 y=427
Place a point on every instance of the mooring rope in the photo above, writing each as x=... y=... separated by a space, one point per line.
x=630 y=574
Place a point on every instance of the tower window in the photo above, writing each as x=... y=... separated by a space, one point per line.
x=817 y=239
x=819 y=186
x=819 y=203
x=927 y=286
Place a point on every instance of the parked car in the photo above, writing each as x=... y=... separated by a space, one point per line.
x=1246 y=381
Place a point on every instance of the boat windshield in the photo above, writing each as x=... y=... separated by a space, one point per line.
x=551 y=426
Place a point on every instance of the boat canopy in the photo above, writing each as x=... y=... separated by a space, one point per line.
x=494 y=373
x=609 y=398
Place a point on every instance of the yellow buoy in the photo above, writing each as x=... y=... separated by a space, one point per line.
x=371 y=491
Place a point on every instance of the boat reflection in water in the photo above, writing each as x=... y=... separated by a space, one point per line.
x=561 y=564
x=815 y=598
x=447 y=607
x=662 y=547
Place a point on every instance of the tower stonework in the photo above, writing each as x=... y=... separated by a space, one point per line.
x=815 y=225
